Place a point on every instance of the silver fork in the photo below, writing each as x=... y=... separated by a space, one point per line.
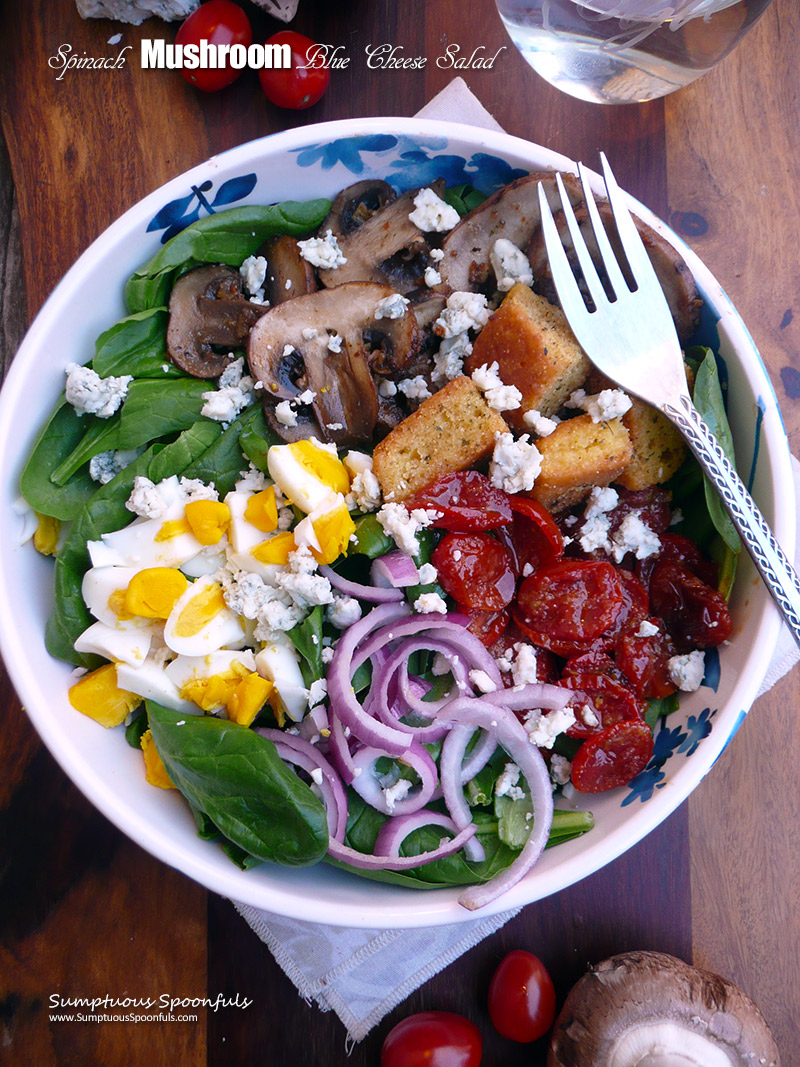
x=632 y=340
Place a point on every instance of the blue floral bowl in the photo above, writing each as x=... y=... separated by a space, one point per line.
x=302 y=164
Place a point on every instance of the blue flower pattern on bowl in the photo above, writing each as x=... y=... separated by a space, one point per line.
x=416 y=162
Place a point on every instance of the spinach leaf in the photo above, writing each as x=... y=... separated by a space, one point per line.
x=255 y=446
x=307 y=639
x=154 y=409
x=225 y=237
x=184 y=450
x=514 y=818
x=223 y=462
x=136 y=728
x=100 y=435
x=369 y=539
x=136 y=345
x=658 y=707
x=464 y=198
x=57 y=439
x=569 y=824
x=236 y=777
x=708 y=399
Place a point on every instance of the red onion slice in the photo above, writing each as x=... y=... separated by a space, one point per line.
x=295 y=750
x=394 y=832
x=368 y=787
x=394 y=570
x=533 y=695
x=370 y=594
x=339 y=751
x=450 y=763
x=345 y=854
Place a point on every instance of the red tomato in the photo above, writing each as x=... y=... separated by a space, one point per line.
x=467 y=501
x=565 y=606
x=611 y=700
x=475 y=570
x=304 y=83
x=596 y=661
x=219 y=22
x=613 y=757
x=546 y=663
x=522 y=1000
x=635 y=606
x=696 y=616
x=433 y=1039
x=536 y=538
x=489 y=626
x=643 y=661
x=679 y=549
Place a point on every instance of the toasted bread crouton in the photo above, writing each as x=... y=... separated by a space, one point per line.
x=449 y=431
x=534 y=349
x=578 y=455
x=658 y=448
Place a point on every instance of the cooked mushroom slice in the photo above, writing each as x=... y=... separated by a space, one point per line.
x=388 y=249
x=673 y=274
x=324 y=345
x=208 y=316
x=356 y=204
x=288 y=274
x=512 y=212
x=650 y=1008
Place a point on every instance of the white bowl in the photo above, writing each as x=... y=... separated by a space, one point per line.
x=301 y=164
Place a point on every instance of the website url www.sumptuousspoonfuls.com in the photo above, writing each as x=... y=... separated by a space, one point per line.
x=128 y=1017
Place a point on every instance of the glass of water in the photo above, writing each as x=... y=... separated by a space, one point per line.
x=626 y=51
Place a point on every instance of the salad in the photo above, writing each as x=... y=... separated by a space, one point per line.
x=358 y=550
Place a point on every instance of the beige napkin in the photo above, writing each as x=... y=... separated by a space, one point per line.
x=363 y=974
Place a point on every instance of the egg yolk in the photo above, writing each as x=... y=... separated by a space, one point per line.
x=333 y=531
x=200 y=610
x=322 y=465
x=275 y=549
x=172 y=529
x=154 y=770
x=152 y=592
x=97 y=695
x=261 y=510
x=208 y=520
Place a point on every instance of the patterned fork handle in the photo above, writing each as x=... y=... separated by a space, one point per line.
x=776 y=570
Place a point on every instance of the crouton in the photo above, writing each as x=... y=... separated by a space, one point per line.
x=449 y=431
x=578 y=455
x=534 y=349
x=658 y=448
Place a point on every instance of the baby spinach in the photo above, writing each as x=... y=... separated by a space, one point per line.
x=136 y=345
x=307 y=639
x=60 y=435
x=225 y=237
x=709 y=401
x=236 y=777
x=223 y=462
x=369 y=538
x=464 y=198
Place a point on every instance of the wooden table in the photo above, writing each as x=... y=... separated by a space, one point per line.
x=83 y=910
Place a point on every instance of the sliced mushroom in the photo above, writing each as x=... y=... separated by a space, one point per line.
x=650 y=1008
x=512 y=213
x=288 y=274
x=387 y=248
x=673 y=273
x=290 y=353
x=208 y=316
x=356 y=204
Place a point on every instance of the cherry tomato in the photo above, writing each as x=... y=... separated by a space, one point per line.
x=433 y=1039
x=488 y=626
x=546 y=663
x=522 y=1000
x=612 y=757
x=536 y=538
x=467 y=501
x=635 y=606
x=679 y=549
x=596 y=661
x=219 y=22
x=611 y=700
x=475 y=570
x=565 y=606
x=304 y=83
x=696 y=616
x=643 y=660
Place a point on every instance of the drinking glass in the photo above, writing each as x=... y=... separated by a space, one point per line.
x=626 y=51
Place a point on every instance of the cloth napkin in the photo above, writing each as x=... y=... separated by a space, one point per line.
x=363 y=974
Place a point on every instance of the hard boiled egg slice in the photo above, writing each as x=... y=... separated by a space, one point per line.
x=126 y=646
x=150 y=681
x=201 y=622
x=103 y=590
x=307 y=472
x=185 y=670
x=149 y=543
x=278 y=661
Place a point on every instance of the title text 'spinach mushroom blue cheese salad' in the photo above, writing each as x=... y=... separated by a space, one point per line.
x=359 y=550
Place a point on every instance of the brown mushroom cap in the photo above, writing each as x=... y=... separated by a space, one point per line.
x=288 y=274
x=356 y=204
x=513 y=213
x=648 y=1009
x=387 y=248
x=671 y=269
x=286 y=358
x=208 y=311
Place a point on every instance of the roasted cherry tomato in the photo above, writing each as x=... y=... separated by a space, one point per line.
x=522 y=1000
x=696 y=616
x=643 y=660
x=679 y=549
x=635 y=606
x=433 y=1039
x=611 y=701
x=466 y=500
x=488 y=626
x=305 y=82
x=536 y=539
x=613 y=757
x=596 y=662
x=566 y=606
x=475 y=569
x=218 y=22
x=546 y=663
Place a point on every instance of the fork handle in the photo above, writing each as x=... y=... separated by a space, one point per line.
x=776 y=570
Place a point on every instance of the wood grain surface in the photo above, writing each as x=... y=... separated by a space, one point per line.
x=83 y=911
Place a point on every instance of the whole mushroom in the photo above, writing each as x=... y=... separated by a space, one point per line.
x=648 y=1009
